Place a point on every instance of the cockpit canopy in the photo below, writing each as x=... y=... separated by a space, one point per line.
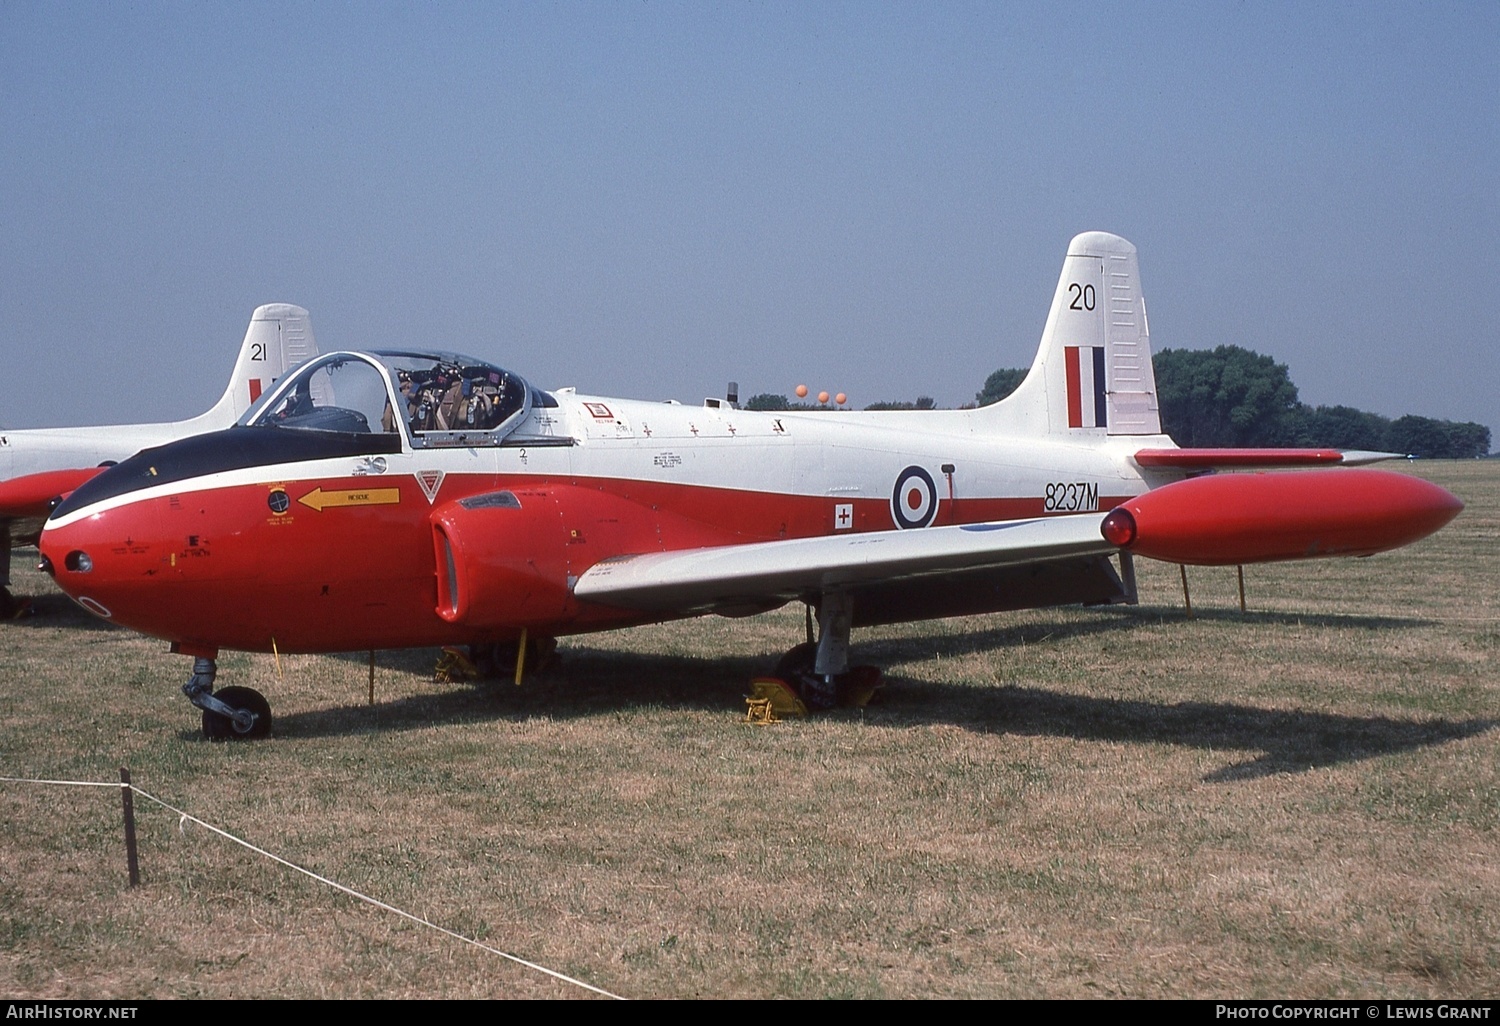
x=432 y=398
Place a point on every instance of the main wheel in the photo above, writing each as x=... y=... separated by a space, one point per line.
x=798 y=669
x=797 y=663
x=857 y=686
x=222 y=728
x=497 y=660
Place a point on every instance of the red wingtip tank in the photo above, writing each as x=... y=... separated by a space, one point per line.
x=31 y=495
x=1227 y=519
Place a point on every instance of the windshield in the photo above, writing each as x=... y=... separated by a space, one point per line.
x=339 y=392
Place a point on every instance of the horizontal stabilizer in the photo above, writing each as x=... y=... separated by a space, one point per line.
x=1209 y=459
x=1360 y=457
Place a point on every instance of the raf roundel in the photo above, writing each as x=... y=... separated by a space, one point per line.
x=914 y=501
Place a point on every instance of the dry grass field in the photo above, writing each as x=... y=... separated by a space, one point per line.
x=1298 y=801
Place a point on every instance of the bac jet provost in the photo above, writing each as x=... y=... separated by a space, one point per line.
x=396 y=499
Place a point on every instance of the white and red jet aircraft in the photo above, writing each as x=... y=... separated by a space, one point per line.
x=39 y=464
x=390 y=499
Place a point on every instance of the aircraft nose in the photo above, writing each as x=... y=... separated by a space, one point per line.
x=102 y=558
x=67 y=560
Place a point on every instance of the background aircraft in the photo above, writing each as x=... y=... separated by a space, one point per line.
x=38 y=465
x=394 y=499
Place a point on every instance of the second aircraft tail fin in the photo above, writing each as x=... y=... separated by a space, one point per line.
x=280 y=337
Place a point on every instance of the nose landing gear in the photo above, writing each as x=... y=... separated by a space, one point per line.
x=230 y=714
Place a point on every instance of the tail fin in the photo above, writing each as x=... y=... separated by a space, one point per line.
x=280 y=336
x=1092 y=373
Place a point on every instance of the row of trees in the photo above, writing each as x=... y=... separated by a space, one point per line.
x=1231 y=397
x=772 y=401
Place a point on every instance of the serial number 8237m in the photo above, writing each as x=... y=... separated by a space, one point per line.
x=1071 y=497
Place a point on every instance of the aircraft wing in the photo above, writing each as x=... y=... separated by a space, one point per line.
x=892 y=574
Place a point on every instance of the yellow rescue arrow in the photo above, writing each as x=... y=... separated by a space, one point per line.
x=319 y=500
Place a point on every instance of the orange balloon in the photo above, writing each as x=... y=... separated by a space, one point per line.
x=841 y=398
x=822 y=397
x=801 y=391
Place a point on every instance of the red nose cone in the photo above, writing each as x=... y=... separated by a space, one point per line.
x=69 y=554
x=1257 y=518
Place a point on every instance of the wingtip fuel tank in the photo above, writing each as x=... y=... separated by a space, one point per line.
x=1225 y=519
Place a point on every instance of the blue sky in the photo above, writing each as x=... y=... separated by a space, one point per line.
x=652 y=199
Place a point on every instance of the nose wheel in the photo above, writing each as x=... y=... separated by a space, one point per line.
x=229 y=714
x=249 y=721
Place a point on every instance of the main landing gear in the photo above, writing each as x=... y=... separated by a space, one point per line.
x=504 y=659
x=819 y=671
x=496 y=660
x=230 y=714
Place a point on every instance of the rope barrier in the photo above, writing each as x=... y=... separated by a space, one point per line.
x=186 y=817
x=64 y=783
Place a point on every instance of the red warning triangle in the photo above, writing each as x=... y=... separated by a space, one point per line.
x=430 y=481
